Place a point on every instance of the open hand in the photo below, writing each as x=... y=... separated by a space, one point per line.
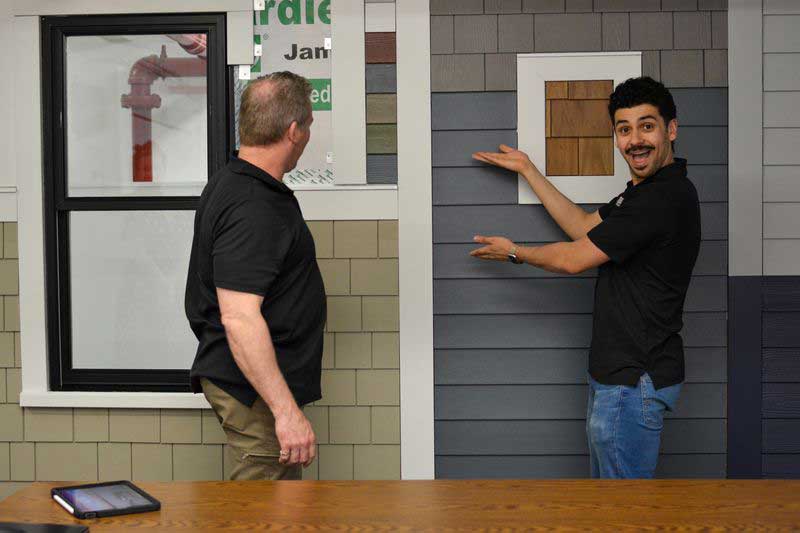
x=508 y=158
x=496 y=249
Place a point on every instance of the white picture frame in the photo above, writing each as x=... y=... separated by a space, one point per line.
x=533 y=70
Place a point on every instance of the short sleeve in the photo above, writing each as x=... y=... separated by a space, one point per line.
x=628 y=228
x=605 y=210
x=250 y=246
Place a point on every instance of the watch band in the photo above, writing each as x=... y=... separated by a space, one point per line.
x=512 y=256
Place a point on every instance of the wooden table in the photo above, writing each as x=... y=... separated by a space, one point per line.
x=443 y=505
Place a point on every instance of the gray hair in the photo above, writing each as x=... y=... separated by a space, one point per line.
x=269 y=106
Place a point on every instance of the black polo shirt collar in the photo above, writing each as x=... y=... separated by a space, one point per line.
x=240 y=166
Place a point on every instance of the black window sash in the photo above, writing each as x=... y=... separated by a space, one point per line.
x=58 y=205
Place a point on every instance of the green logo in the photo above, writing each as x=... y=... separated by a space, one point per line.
x=295 y=12
x=320 y=94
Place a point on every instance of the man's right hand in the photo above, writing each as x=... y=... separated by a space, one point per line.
x=508 y=158
x=296 y=437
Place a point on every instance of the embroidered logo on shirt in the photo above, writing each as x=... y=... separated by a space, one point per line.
x=619 y=201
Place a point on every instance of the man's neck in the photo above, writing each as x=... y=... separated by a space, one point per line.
x=636 y=180
x=267 y=158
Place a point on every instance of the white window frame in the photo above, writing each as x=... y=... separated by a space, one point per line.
x=533 y=70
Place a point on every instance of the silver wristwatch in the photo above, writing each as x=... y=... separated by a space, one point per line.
x=512 y=256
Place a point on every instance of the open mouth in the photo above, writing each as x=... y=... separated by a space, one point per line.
x=640 y=156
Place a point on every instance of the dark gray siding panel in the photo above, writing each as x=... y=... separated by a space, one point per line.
x=513 y=296
x=781 y=400
x=551 y=366
x=781 y=365
x=782 y=466
x=553 y=402
x=531 y=223
x=780 y=436
x=381 y=78
x=564 y=295
x=711 y=182
x=701 y=145
x=701 y=107
x=474 y=186
x=563 y=437
x=474 y=111
x=780 y=293
x=554 y=331
x=452 y=261
x=455 y=148
x=781 y=330
x=568 y=466
x=381 y=169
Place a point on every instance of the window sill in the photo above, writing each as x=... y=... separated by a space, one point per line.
x=114 y=400
x=347 y=202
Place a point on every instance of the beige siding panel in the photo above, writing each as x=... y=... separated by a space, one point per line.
x=781 y=257
x=782 y=184
x=381 y=109
x=781 y=7
x=782 y=110
x=782 y=146
x=781 y=72
x=379 y=17
x=782 y=33
x=781 y=221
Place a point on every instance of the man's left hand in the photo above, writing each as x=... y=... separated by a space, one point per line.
x=496 y=249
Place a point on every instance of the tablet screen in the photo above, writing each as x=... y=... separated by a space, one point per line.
x=104 y=498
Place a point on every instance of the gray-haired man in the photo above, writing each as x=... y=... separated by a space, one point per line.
x=254 y=293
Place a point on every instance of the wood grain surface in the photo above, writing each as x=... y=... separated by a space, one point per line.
x=677 y=505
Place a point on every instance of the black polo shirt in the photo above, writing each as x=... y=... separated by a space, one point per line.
x=250 y=236
x=651 y=232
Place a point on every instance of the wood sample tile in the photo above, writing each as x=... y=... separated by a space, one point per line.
x=562 y=157
x=596 y=156
x=381 y=47
x=547 y=118
x=580 y=118
x=590 y=90
x=556 y=89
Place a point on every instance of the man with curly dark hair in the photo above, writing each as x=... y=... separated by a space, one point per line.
x=645 y=242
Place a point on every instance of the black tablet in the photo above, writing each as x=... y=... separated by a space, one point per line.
x=104 y=499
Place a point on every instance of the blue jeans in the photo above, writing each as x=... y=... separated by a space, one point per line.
x=624 y=424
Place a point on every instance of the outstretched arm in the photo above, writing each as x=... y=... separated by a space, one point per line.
x=560 y=257
x=570 y=217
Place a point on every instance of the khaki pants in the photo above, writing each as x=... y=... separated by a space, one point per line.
x=254 y=447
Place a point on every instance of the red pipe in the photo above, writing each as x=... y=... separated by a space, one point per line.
x=141 y=102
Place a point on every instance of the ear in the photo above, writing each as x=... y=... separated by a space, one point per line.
x=672 y=129
x=295 y=133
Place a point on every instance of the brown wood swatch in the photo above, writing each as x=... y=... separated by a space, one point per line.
x=556 y=89
x=580 y=118
x=586 y=90
x=562 y=157
x=381 y=47
x=596 y=156
x=381 y=109
x=547 y=118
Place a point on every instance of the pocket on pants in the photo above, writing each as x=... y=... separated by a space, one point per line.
x=652 y=406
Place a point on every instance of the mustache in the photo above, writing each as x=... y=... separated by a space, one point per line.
x=639 y=147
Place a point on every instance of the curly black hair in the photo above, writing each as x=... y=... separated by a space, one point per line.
x=644 y=90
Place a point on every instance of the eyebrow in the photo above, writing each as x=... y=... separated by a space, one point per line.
x=641 y=119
